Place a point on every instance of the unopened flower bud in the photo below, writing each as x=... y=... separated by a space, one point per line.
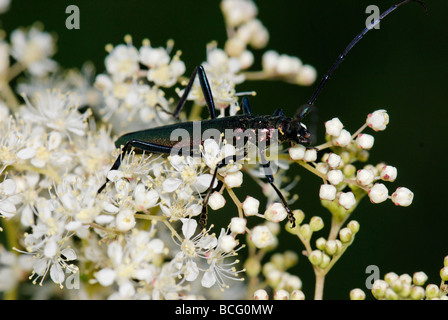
x=325 y=261
x=216 y=201
x=402 y=197
x=390 y=277
x=365 y=177
x=388 y=173
x=297 y=152
x=250 y=206
x=347 y=200
x=334 y=127
x=444 y=273
x=276 y=212
x=281 y=295
x=234 y=180
x=333 y=160
x=297 y=295
x=378 y=193
x=228 y=243
x=353 y=226
x=305 y=231
x=261 y=294
x=315 y=257
x=331 y=247
x=357 y=294
x=344 y=139
x=417 y=293
x=327 y=192
x=310 y=155
x=238 y=225
x=378 y=120
x=379 y=289
x=419 y=278
x=345 y=235
x=316 y=223
x=335 y=177
x=365 y=141
x=320 y=243
x=306 y=75
x=432 y=291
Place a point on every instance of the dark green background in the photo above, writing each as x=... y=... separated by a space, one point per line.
x=401 y=67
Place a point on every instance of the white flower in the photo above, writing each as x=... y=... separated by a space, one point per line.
x=238 y=225
x=125 y=220
x=234 y=180
x=33 y=48
x=310 y=155
x=122 y=61
x=378 y=120
x=343 y=140
x=378 y=193
x=262 y=237
x=7 y=206
x=216 y=201
x=56 y=111
x=238 y=12
x=402 y=197
x=334 y=160
x=297 y=152
x=261 y=294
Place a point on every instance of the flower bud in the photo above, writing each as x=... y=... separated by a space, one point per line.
x=216 y=201
x=357 y=294
x=320 y=243
x=347 y=200
x=344 y=139
x=297 y=295
x=365 y=177
x=378 y=120
x=315 y=257
x=390 y=277
x=250 y=206
x=316 y=223
x=444 y=274
x=310 y=155
x=306 y=75
x=325 y=261
x=234 y=180
x=334 y=160
x=297 y=152
x=419 y=278
x=417 y=293
x=379 y=289
x=353 y=226
x=391 y=294
x=335 y=177
x=388 y=173
x=378 y=193
x=238 y=225
x=365 y=141
x=345 y=235
x=322 y=167
x=281 y=295
x=276 y=212
x=432 y=291
x=402 y=197
x=262 y=237
x=331 y=247
x=327 y=192
x=334 y=127
x=261 y=294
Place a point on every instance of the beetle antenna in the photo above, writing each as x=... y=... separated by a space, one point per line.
x=306 y=108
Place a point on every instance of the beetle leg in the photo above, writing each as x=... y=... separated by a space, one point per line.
x=268 y=174
x=222 y=163
x=206 y=90
x=140 y=145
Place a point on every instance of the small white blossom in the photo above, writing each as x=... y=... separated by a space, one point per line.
x=334 y=160
x=378 y=120
x=343 y=140
x=275 y=212
x=238 y=225
x=262 y=237
x=261 y=294
x=310 y=155
x=297 y=152
x=122 y=61
x=402 y=197
x=216 y=201
x=234 y=180
x=378 y=193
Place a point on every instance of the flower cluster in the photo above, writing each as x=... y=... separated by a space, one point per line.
x=140 y=238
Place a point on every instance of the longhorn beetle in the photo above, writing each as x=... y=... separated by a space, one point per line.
x=158 y=140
